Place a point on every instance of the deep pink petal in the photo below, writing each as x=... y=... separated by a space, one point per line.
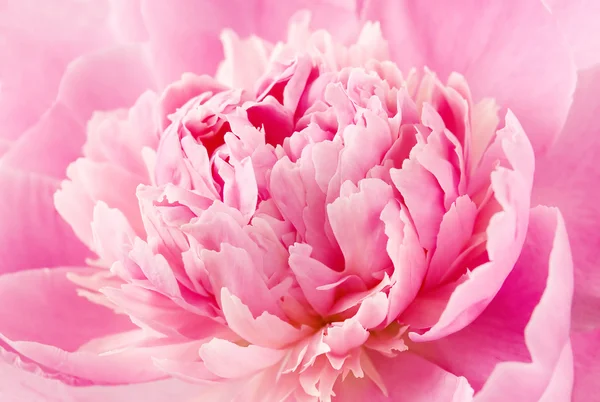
x=568 y=178
x=587 y=367
x=519 y=57
x=32 y=234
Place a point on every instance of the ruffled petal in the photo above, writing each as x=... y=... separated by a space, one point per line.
x=498 y=334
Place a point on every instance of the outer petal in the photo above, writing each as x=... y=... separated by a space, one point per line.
x=549 y=376
x=88 y=85
x=587 y=366
x=68 y=336
x=578 y=20
x=568 y=178
x=499 y=333
x=32 y=234
x=185 y=34
x=406 y=377
x=46 y=298
x=36 y=45
x=18 y=385
x=519 y=56
x=505 y=233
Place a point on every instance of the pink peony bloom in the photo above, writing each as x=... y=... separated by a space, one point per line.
x=303 y=201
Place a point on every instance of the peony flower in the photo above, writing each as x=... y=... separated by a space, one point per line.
x=301 y=201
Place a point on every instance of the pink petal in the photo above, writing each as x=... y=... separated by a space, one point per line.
x=357 y=228
x=408 y=258
x=547 y=333
x=90 y=182
x=406 y=377
x=57 y=338
x=20 y=385
x=126 y=20
x=416 y=184
x=228 y=360
x=576 y=20
x=587 y=368
x=184 y=34
x=30 y=152
x=505 y=235
x=455 y=232
x=518 y=44
x=567 y=178
x=498 y=334
x=232 y=268
x=88 y=85
x=79 y=319
x=312 y=275
x=38 y=44
x=32 y=234
x=265 y=330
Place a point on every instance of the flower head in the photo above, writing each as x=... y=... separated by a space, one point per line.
x=317 y=222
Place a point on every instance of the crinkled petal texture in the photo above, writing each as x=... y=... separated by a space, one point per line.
x=311 y=223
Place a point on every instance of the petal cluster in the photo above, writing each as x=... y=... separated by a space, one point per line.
x=307 y=212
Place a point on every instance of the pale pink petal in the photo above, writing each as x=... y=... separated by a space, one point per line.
x=228 y=360
x=361 y=236
x=406 y=377
x=416 y=184
x=547 y=333
x=312 y=275
x=19 y=385
x=265 y=330
x=27 y=206
x=90 y=182
x=37 y=45
x=576 y=20
x=567 y=178
x=535 y=83
x=455 y=232
x=505 y=233
x=88 y=85
x=125 y=20
x=184 y=34
x=498 y=334
x=408 y=258
x=79 y=319
x=233 y=269
x=56 y=339
x=58 y=125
